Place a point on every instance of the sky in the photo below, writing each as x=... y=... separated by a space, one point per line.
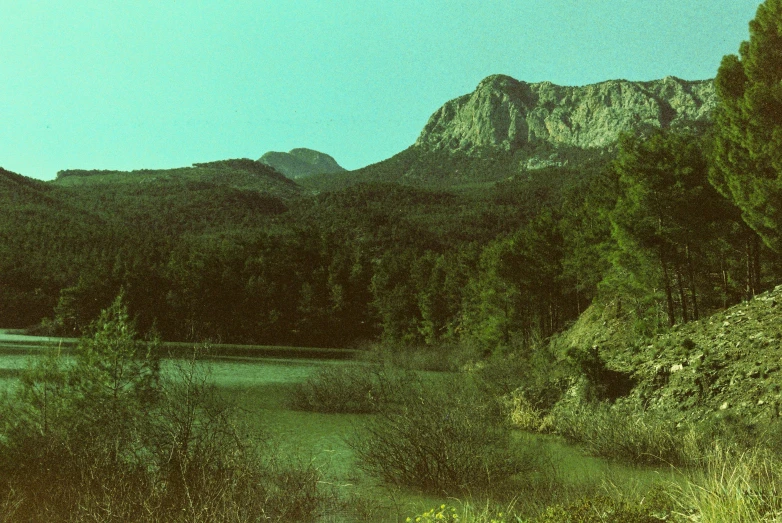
x=110 y=84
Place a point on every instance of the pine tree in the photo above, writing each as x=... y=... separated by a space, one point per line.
x=747 y=155
x=664 y=212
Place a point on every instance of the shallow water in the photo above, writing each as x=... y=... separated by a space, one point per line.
x=261 y=388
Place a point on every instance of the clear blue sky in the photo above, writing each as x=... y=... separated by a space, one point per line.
x=110 y=84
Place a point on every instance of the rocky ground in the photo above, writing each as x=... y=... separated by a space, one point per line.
x=726 y=364
x=729 y=364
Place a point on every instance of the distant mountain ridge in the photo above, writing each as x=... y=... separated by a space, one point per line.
x=301 y=162
x=241 y=173
x=507 y=114
x=504 y=129
x=507 y=127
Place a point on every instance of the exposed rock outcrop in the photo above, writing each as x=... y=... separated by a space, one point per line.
x=510 y=115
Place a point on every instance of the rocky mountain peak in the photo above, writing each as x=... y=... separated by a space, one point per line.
x=301 y=162
x=508 y=114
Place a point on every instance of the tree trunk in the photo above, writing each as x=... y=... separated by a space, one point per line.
x=682 y=294
x=668 y=292
x=756 y=264
x=724 y=272
x=750 y=279
x=693 y=291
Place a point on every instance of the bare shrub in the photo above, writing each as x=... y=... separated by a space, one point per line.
x=356 y=388
x=110 y=438
x=441 y=437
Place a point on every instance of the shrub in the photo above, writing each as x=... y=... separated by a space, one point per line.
x=529 y=384
x=443 y=513
x=350 y=388
x=598 y=510
x=435 y=358
x=467 y=513
x=442 y=436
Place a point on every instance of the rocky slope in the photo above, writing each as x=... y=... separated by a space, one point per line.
x=729 y=364
x=504 y=114
x=301 y=162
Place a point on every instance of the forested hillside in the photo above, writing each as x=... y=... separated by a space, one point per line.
x=492 y=264
x=497 y=227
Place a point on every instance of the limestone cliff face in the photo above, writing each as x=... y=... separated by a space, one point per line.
x=504 y=113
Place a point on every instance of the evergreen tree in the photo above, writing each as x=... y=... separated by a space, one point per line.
x=747 y=154
x=664 y=212
x=518 y=292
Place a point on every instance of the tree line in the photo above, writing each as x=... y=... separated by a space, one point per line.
x=679 y=222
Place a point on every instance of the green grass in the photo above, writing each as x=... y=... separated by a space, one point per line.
x=624 y=433
x=734 y=486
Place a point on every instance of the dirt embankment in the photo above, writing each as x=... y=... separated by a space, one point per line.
x=727 y=364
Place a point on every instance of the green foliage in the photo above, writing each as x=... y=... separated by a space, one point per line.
x=747 y=162
x=440 y=357
x=598 y=510
x=625 y=433
x=536 y=373
x=677 y=240
x=733 y=486
x=586 y=235
x=443 y=513
x=518 y=293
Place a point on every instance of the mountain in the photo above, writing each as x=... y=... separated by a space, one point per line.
x=301 y=162
x=39 y=233
x=506 y=114
x=17 y=188
x=214 y=196
x=507 y=127
x=243 y=174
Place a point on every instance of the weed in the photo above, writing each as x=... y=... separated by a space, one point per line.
x=357 y=388
x=741 y=487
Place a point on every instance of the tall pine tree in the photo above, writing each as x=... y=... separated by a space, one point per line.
x=747 y=157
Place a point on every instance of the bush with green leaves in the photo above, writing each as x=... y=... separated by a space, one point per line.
x=352 y=388
x=535 y=372
x=599 y=510
x=440 y=357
